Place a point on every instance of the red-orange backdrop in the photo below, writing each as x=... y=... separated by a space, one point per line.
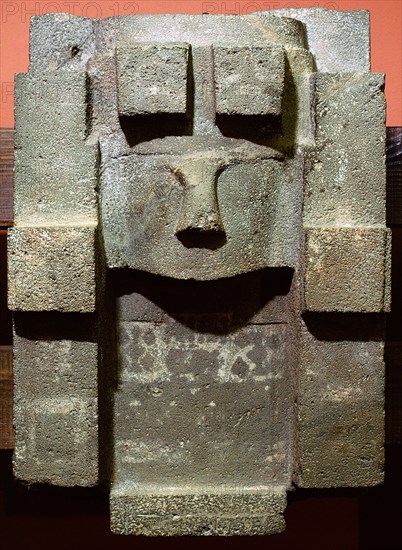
x=386 y=33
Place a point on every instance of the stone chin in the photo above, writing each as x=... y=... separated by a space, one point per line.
x=198 y=264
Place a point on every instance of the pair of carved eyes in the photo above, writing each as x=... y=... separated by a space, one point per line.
x=155 y=80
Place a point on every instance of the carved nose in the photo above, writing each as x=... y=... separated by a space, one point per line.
x=200 y=223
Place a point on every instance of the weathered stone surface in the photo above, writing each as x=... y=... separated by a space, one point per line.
x=52 y=269
x=347 y=269
x=202 y=383
x=199 y=399
x=217 y=141
x=341 y=427
x=249 y=81
x=56 y=172
x=345 y=170
x=234 y=511
x=339 y=40
x=201 y=387
x=219 y=30
x=142 y=201
x=60 y=40
x=55 y=400
x=152 y=79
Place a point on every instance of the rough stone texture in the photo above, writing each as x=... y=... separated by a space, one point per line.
x=249 y=81
x=346 y=167
x=234 y=511
x=347 y=269
x=56 y=172
x=217 y=141
x=339 y=40
x=341 y=411
x=198 y=377
x=219 y=30
x=59 y=40
x=52 y=269
x=55 y=399
x=203 y=399
x=152 y=79
x=53 y=260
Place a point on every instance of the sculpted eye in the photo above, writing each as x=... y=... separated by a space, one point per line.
x=152 y=82
x=249 y=84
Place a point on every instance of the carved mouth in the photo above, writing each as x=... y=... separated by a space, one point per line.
x=194 y=237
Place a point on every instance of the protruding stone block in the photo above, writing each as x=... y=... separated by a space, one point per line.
x=56 y=399
x=347 y=269
x=69 y=43
x=52 y=269
x=341 y=414
x=58 y=441
x=345 y=170
x=55 y=173
x=249 y=81
x=152 y=78
x=339 y=40
x=141 y=204
x=237 y=512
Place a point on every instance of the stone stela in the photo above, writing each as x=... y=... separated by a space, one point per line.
x=200 y=266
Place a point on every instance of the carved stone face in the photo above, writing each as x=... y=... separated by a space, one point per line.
x=205 y=183
x=191 y=147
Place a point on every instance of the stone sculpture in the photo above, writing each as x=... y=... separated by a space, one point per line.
x=200 y=265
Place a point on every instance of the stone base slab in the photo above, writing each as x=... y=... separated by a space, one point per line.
x=169 y=513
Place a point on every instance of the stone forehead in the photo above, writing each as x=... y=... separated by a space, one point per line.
x=204 y=30
x=199 y=30
x=339 y=40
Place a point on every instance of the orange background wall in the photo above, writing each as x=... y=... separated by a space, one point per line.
x=386 y=33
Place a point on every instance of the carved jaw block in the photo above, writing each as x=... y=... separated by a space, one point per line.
x=200 y=264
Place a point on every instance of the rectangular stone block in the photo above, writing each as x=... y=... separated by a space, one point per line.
x=247 y=511
x=213 y=392
x=217 y=29
x=347 y=269
x=249 y=80
x=203 y=399
x=152 y=78
x=341 y=401
x=56 y=441
x=345 y=170
x=55 y=400
x=52 y=269
x=55 y=173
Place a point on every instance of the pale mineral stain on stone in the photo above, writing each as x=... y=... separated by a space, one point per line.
x=139 y=452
